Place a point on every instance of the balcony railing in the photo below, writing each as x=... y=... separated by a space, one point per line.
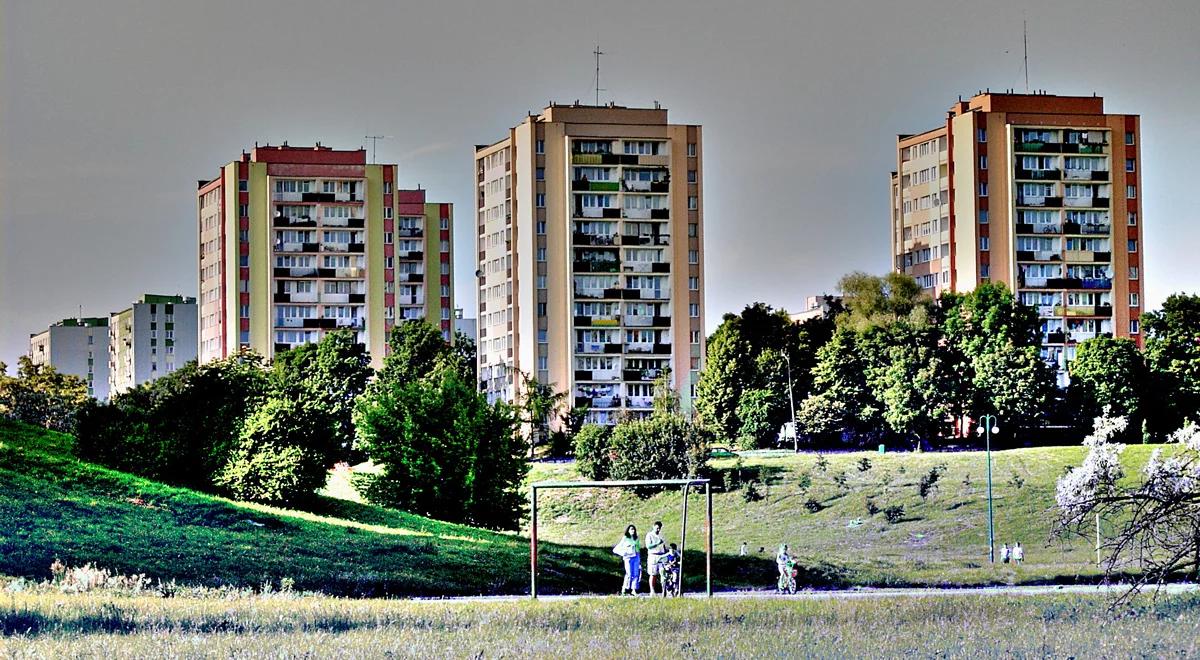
x=1039 y=175
x=1037 y=146
x=593 y=402
x=294 y=272
x=584 y=185
x=1038 y=255
x=1023 y=200
x=296 y=247
x=1086 y=202
x=597 y=348
x=1049 y=228
x=1085 y=175
x=293 y=221
x=580 y=238
x=647 y=267
x=645 y=239
x=598 y=320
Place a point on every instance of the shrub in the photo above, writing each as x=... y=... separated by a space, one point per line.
x=929 y=481
x=592 y=453
x=283 y=456
x=894 y=513
x=1016 y=481
x=660 y=447
x=751 y=493
x=822 y=462
x=864 y=464
x=804 y=481
x=813 y=505
x=841 y=480
x=872 y=507
x=560 y=444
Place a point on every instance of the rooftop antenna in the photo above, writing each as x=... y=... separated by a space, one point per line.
x=374 y=142
x=599 y=89
x=1025 y=42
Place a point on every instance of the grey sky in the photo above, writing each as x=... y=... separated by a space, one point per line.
x=111 y=110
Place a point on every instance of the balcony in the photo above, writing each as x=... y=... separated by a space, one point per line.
x=1049 y=228
x=1037 y=147
x=1023 y=200
x=297 y=221
x=295 y=297
x=410 y=255
x=281 y=322
x=320 y=197
x=410 y=300
x=410 y=277
x=643 y=321
x=637 y=214
x=579 y=238
x=660 y=214
x=1096 y=283
x=1056 y=337
x=598 y=375
x=351 y=322
x=650 y=294
x=646 y=267
x=642 y=375
x=645 y=239
x=1038 y=255
x=580 y=266
x=335 y=298
x=349 y=272
x=294 y=272
x=597 y=348
x=1083 y=310
x=640 y=402
x=410 y=232
x=1086 y=175
x=598 y=321
x=1086 y=202
x=583 y=185
x=356 y=223
x=1092 y=229
x=1047 y=311
x=1038 y=175
x=296 y=247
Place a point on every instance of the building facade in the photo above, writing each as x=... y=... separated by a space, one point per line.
x=1037 y=191
x=149 y=339
x=298 y=241
x=590 y=241
x=76 y=346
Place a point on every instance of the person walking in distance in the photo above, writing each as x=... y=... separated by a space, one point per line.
x=656 y=549
x=1018 y=553
x=1004 y=554
x=629 y=549
x=745 y=548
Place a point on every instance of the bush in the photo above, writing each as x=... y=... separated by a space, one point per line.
x=894 y=513
x=929 y=481
x=804 y=481
x=593 y=456
x=872 y=507
x=751 y=493
x=864 y=464
x=560 y=444
x=1016 y=481
x=660 y=447
x=283 y=456
x=841 y=480
x=813 y=505
x=822 y=462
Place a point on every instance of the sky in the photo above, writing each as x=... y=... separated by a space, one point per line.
x=111 y=111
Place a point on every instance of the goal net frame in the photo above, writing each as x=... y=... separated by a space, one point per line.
x=685 y=485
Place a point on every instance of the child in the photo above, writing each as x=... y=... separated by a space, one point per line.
x=1004 y=554
x=670 y=571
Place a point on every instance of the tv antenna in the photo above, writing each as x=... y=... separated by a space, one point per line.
x=374 y=142
x=599 y=89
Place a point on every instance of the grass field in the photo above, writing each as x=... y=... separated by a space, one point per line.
x=939 y=540
x=52 y=505
x=96 y=625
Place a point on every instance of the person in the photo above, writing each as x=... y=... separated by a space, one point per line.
x=782 y=559
x=670 y=571
x=744 y=550
x=656 y=549
x=630 y=551
x=1004 y=554
x=1018 y=553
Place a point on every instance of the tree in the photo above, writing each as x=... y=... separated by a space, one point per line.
x=41 y=395
x=658 y=447
x=442 y=450
x=179 y=429
x=593 y=453
x=466 y=356
x=911 y=381
x=284 y=452
x=331 y=373
x=842 y=399
x=1172 y=354
x=758 y=411
x=1108 y=375
x=877 y=301
x=540 y=403
x=416 y=350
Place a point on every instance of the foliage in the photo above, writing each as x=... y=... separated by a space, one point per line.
x=894 y=513
x=442 y=450
x=864 y=464
x=417 y=349
x=179 y=429
x=539 y=403
x=929 y=481
x=1108 y=374
x=284 y=452
x=593 y=457
x=658 y=447
x=331 y=374
x=813 y=505
x=872 y=507
x=466 y=356
x=758 y=409
x=42 y=396
x=751 y=493
x=1172 y=354
x=878 y=301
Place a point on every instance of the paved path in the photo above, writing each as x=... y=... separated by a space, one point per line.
x=868 y=592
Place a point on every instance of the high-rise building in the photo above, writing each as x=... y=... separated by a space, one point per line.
x=1040 y=192
x=151 y=338
x=76 y=346
x=590 y=239
x=298 y=241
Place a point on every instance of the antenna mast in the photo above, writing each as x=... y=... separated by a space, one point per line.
x=1025 y=41
x=598 y=53
x=374 y=142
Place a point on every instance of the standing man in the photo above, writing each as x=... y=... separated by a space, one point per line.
x=656 y=549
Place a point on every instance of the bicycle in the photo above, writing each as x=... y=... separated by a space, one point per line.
x=787 y=581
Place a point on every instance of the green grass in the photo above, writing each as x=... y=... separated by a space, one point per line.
x=98 y=625
x=53 y=505
x=941 y=540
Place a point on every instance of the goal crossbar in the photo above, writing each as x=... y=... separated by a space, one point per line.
x=686 y=486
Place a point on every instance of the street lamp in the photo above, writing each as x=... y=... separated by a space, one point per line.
x=792 y=401
x=988 y=426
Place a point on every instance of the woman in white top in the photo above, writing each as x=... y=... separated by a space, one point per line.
x=629 y=549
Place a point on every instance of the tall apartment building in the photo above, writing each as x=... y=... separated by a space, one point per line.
x=76 y=346
x=299 y=241
x=1034 y=190
x=590 y=244
x=151 y=338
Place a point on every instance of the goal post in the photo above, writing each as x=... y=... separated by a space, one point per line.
x=685 y=485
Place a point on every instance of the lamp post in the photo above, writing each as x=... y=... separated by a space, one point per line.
x=792 y=402
x=988 y=426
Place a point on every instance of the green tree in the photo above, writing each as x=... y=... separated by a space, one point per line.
x=842 y=399
x=417 y=349
x=41 y=395
x=658 y=447
x=878 y=301
x=466 y=356
x=593 y=454
x=1107 y=375
x=284 y=452
x=540 y=403
x=911 y=381
x=1172 y=354
x=331 y=373
x=758 y=410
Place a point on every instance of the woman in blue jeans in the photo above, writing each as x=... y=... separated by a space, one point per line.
x=629 y=548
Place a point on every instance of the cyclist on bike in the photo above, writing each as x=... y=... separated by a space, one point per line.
x=783 y=562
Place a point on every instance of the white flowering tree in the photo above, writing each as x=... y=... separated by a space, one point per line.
x=1156 y=517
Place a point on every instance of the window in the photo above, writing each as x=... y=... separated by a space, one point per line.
x=1132 y=218
x=541 y=254
x=695 y=336
x=387 y=238
x=691 y=176
x=1128 y=137
x=694 y=310
x=445 y=268
x=542 y=338
x=244 y=261
x=693 y=203
x=539 y=147
x=541 y=200
x=1133 y=327
x=244 y=210
x=387 y=187
x=541 y=281
x=389 y=262
x=445 y=290
x=1132 y=245
x=693 y=256
x=691 y=149
x=983 y=189
x=445 y=223
x=1133 y=300
x=243 y=185
x=983 y=162
x=541 y=227
x=983 y=216
x=244 y=235
x=693 y=229
x=387 y=212
x=985 y=270
x=1133 y=272
x=694 y=283
x=540 y=174
x=1131 y=191
x=541 y=309
x=981 y=134
x=1130 y=165
x=983 y=243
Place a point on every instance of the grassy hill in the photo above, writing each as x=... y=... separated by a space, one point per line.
x=940 y=540
x=53 y=505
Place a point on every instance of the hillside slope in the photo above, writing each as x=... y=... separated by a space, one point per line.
x=53 y=505
x=939 y=540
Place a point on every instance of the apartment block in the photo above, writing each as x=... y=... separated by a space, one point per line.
x=590 y=239
x=149 y=339
x=295 y=242
x=76 y=346
x=1038 y=191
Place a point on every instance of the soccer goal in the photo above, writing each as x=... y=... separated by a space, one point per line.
x=685 y=485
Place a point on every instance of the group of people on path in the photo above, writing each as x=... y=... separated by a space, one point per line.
x=662 y=560
x=1016 y=554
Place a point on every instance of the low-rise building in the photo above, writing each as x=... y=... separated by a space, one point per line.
x=77 y=346
x=151 y=338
